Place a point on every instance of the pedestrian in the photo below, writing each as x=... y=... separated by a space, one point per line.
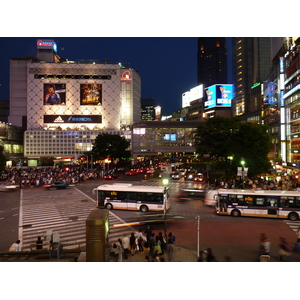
x=202 y=256
x=152 y=244
x=15 y=246
x=140 y=240
x=284 y=249
x=298 y=235
x=126 y=245
x=210 y=256
x=148 y=233
x=163 y=242
x=265 y=245
x=132 y=243
x=39 y=243
x=170 y=246
x=157 y=247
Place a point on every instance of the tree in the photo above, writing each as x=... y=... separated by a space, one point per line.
x=2 y=159
x=227 y=141
x=111 y=145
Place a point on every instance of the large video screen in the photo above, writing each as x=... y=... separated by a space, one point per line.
x=91 y=94
x=219 y=95
x=54 y=94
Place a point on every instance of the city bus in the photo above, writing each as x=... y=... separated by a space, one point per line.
x=258 y=203
x=132 y=197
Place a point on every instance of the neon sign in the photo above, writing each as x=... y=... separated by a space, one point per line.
x=46 y=44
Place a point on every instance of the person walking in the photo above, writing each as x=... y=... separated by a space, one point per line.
x=170 y=246
x=126 y=245
x=284 y=249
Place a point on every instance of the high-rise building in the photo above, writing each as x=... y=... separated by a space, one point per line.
x=147 y=109
x=253 y=64
x=212 y=61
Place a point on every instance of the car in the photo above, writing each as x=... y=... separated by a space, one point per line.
x=110 y=176
x=189 y=175
x=176 y=175
x=56 y=185
x=7 y=188
x=131 y=172
x=199 y=177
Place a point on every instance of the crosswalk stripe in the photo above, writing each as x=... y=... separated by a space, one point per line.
x=67 y=219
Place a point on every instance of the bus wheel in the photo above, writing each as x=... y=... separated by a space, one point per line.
x=235 y=213
x=144 y=208
x=293 y=216
x=108 y=206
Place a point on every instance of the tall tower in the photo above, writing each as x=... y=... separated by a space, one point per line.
x=212 y=61
x=253 y=64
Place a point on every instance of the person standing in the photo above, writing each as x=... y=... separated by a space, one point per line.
x=39 y=243
x=170 y=246
x=132 y=243
x=152 y=244
x=140 y=240
x=148 y=233
x=126 y=245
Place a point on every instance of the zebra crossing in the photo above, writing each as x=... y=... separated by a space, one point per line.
x=65 y=213
x=294 y=225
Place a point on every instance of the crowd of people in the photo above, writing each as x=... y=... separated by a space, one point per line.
x=36 y=177
x=158 y=247
x=284 y=183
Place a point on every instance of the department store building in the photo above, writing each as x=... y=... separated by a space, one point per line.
x=64 y=105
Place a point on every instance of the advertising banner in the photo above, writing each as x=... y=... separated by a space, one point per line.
x=91 y=94
x=54 y=94
x=62 y=119
x=219 y=95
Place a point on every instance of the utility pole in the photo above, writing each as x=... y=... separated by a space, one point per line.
x=197 y=222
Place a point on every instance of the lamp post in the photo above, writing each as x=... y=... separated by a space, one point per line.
x=165 y=182
x=243 y=164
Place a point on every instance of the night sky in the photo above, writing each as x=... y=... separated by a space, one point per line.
x=167 y=65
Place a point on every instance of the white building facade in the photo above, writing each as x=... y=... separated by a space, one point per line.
x=64 y=106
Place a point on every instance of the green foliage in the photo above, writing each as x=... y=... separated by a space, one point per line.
x=222 y=138
x=111 y=145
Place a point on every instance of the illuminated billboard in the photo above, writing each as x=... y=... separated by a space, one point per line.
x=54 y=94
x=46 y=44
x=196 y=92
x=90 y=94
x=219 y=95
x=72 y=119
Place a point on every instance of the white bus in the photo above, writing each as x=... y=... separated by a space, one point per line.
x=258 y=203
x=132 y=197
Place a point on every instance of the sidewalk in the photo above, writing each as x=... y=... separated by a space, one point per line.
x=222 y=253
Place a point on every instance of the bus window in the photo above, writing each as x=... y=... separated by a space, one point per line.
x=288 y=202
x=248 y=200
x=272 y=201
x=131 y=197
x=297 y=201
x=259 y=201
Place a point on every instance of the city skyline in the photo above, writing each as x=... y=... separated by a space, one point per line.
x=167 y=65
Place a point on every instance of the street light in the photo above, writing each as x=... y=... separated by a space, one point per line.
x=165 y=182
x=243 y=164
